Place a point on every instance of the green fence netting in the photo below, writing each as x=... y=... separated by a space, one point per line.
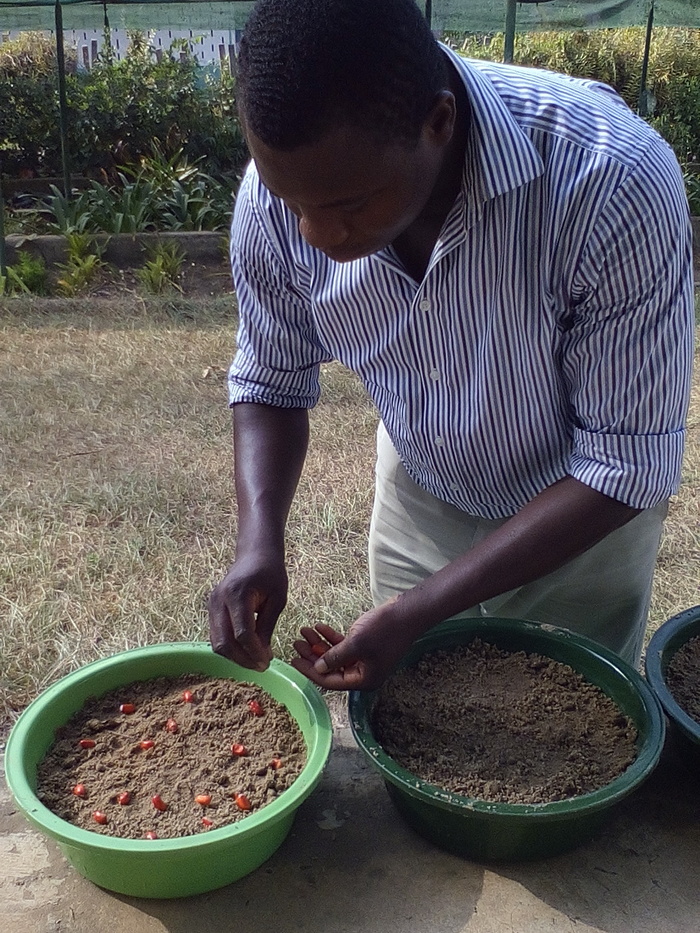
x=479 y=16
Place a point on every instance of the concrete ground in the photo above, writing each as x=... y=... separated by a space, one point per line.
x=351 y=865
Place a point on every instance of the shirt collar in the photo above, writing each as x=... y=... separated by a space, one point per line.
x=499 y=156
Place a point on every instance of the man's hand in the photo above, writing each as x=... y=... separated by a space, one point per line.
x=244 y=608
x=361 y=660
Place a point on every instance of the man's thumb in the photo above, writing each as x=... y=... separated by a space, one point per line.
x=332 y=660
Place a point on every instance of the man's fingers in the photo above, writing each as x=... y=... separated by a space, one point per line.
x=335 y=680
x=330 y=634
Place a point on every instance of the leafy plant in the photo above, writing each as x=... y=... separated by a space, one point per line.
x=115 y=109
x=162 y=271
x=163 y=192
x=615 y=56
x=82 y=265
x=692 y=187
x=26 y=276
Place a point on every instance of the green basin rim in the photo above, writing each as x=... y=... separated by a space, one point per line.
x=664 y=643
x=279 y=673
x=500 y=632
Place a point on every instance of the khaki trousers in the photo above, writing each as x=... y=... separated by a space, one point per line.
x=604 y=593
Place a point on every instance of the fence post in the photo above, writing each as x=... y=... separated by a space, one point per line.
x=3 y=255
x=62 y=102
x=509 y=32
x=643 y=105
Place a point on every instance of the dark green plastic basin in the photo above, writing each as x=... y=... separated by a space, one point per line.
x=486 y=831
x=165 y=868
x=665 y=642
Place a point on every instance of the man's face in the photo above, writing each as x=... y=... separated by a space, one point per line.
x=352 y=195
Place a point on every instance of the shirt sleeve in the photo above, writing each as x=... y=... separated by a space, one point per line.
x=278 y=352
x=627 y=352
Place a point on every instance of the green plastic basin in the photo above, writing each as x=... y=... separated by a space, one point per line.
x=165 y=868
x=485 y=831
x=665 y=642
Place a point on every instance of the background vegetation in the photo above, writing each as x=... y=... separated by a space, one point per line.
x=614 y=56
x=115 y=110
x=160 y=130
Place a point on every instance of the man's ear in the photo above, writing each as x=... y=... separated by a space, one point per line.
x=440 y=122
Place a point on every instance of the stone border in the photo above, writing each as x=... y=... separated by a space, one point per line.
x=125 y=250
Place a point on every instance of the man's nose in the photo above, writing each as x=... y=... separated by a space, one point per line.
x=323 y=231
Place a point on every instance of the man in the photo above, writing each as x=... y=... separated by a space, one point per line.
x=504 y=256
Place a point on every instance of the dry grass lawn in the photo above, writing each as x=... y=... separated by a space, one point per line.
x=116 y=506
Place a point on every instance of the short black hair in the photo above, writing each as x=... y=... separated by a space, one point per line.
x=308 y=66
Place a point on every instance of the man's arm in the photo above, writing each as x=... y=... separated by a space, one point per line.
x=560 y=523
x=269 y=451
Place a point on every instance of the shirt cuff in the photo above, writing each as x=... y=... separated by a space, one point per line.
x=640 y=470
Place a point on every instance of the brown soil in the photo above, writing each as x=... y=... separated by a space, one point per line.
x=201 y=279
x=683 y=677
x=196 y=759
x=500 y=726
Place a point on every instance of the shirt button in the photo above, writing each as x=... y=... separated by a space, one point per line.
x=439 y=442
x=424 y=305
x=434 y=374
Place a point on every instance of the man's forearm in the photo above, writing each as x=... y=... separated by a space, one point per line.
x=559 y=524
x=269 y=449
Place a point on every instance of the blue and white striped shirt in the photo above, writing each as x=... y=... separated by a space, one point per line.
x=552 y=333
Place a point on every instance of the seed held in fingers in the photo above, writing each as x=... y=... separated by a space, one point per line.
x=171 y=726
x=159 y=803
x=99 y=817
x=203 y=799
x=238 y=750
x=127 y=708
x=255 y=708
x=242 y=802
x=124 y=798
x=79 y=790
x=319 y=650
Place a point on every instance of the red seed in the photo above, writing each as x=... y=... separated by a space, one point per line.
x=124 y=798
x=151 y=835
x=79 y=790
x=127 y=708
x=242 y=802
x=171 y=726
x=99 y=817
x=87 y=743
x=319 y=650
x=188 y=696
x=255 y=708
x=238 y=750
x=276 y=763
x=203 y=799
x=207 y=822
x=159 y=803
x=146 y=744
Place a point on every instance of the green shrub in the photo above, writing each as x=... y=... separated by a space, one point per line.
x=27 y=275
x=115 y=110
x=615 y=57
x=30 y=140
x=161 y=193
x=162 y=271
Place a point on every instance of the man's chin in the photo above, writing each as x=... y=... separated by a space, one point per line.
x=351 y=255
